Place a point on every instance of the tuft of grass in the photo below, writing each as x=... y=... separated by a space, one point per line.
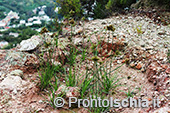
x=70 y=77
x=83 y=54
x=168 y=55
x=98 y=81
x=46 y=73
x=72 y=55
x=110 y=83
x=130 y=93
x=139 y=30
x=85 y=86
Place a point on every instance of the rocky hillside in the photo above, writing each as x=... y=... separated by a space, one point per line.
x=135 y=41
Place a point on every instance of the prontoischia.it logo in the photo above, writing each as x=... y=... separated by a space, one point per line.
x=98 y=102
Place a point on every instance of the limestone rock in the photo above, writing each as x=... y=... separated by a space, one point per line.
x=12 y=82
x=30 y=44
x=17 y=73
x=77 y=41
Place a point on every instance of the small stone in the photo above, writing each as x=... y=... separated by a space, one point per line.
x=118 y=61
x=78 y=31
x=73 y=92
x=149 y=48
x=19 y=103
x=169 y=103
x=17 y=73
x=132 y=64
x=143 y=69
x=139 y=66
x=123 y=61
x=40 y=101
x=125 y=88
x=40 y=110
x=78 y=41
x=15 y=91
x=167 y=95
x=142 y=43
x=164 y=66
x=56 y=63
x=104 y=22
x=168 y=70
x=125 y=82
x=149 y=99
x=151 y=52
x=142 y=94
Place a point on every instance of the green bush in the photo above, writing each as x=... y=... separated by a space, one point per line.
x=70 y=8
x=112 y=4
x=99 y=10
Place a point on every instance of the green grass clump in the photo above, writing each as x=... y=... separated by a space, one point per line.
x=168 y=55
x=95 y=81
x=47 y=72
x=139 y=30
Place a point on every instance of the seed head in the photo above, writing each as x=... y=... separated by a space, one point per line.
x=83 y=18
x=72 y=21
x=44 y=30
x=72 y=12
x=110 y=27
x=96 y=58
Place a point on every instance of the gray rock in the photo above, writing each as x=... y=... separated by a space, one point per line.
x=30 y=44
x=142 y=43
x=149 y=48
x=17 y=73
x=104 y=22
x=77 y=41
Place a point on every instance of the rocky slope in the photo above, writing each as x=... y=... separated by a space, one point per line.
x=141 y=44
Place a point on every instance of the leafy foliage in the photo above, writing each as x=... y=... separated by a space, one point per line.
x=93 y=8
x=119 y=3
x=70 y=5
x=54 y=26
x=99 y=10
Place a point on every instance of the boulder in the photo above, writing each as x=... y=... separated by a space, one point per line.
x=30 y=44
